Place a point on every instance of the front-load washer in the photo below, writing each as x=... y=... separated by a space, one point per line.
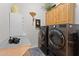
x=63 y=39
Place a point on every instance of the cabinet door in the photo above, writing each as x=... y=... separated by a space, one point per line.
x=55 y=15
x=59 y=14
x=49 y=18
x=68 y=13
x=62 y=14
x=71 y=13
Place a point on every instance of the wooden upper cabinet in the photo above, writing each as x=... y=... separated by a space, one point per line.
x=61 y=14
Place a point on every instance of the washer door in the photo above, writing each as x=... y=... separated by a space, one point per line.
x=42 y=37
x=56 y=38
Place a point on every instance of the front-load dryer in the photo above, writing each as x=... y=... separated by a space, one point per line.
x=43 y=39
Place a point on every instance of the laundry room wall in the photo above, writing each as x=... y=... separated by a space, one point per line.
x=4 y=21
x=29 y=28
x=77 y=13
x=31 y=31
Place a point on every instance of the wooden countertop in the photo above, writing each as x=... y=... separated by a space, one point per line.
x=17 y=51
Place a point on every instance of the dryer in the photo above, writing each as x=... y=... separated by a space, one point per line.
x=63 y=39
x=43 y=39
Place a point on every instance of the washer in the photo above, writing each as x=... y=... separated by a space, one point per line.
x=63 y=39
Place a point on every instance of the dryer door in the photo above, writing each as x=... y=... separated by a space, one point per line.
x=42 y=36
x=56 y=38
